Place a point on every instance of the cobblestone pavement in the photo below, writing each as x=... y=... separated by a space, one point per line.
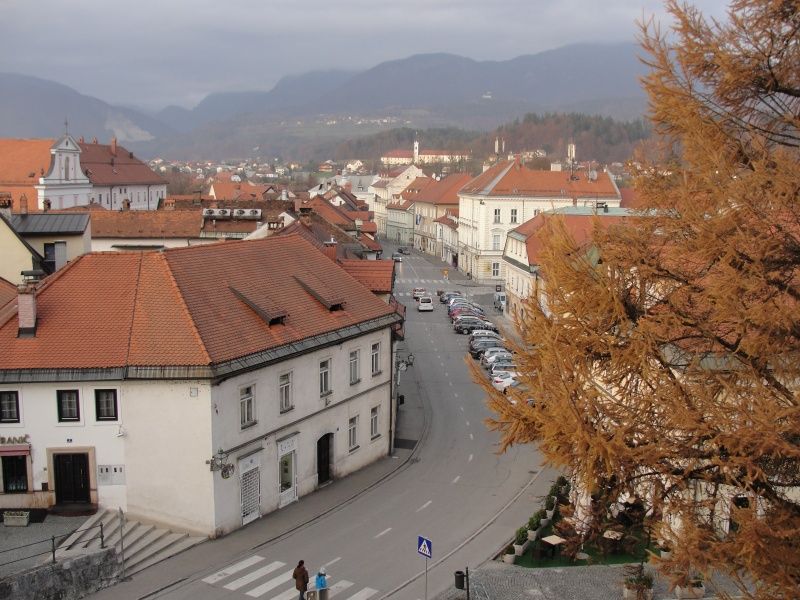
x=11 y=538
x=499 y=581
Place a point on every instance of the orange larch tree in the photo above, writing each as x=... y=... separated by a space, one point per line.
x=665 y=362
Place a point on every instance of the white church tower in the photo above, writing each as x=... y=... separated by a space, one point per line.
x=416 y=151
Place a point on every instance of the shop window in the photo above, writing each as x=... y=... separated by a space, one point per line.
x=15 y=474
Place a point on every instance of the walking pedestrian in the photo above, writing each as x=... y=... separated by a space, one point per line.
x=300 y=575
x=321 y=583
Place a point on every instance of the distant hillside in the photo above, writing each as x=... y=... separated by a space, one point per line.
x=599 y=138
x=31 y=107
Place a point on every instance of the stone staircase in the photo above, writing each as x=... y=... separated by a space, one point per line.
x=145 y=544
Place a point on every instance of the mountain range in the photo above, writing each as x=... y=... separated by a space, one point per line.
x=426 y=90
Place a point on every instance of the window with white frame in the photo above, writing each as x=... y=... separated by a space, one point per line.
x=105 y=405
x=285 y=391
x=352 y=433
x=247 y=415
x=513 y=215
x=373 y=423
x=376 y=358
x=9 y=407
x=355 y=367
x=496 y=241
x=68 y=405
x=325 y=377
x=495 y=269
x=496 y=215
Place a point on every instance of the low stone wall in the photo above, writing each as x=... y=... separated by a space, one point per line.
x=68 y=579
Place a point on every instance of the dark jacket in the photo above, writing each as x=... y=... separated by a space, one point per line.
x=300 y=575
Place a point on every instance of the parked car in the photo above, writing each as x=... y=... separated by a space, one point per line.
x=498 y=354
x=397 y=257
x=447 y=296
x=501 y=365
x=463 y=312
x=425 y=304
x=467 y=324
x=503 y=379
x=417 y=293
x=479 y=347
x=500 y=301
x=403 y=250
x=462 y=306
x=482 y=333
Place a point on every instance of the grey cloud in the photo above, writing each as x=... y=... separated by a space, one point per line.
x=154 y=53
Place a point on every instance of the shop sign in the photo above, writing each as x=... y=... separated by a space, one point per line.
x=15 y=439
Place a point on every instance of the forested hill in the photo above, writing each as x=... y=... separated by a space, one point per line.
x=598 y=138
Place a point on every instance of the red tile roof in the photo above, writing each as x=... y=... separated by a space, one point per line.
x=445 y=191
x=512 y=178
x=398 y=154
x=231 y=190
x=630 y=198
x=446 y=220
x=184 y=307
x=22 y=162
x=579 y=227
x=163 y=224
x=375 y=275
x=126 y=170
x=8 y=292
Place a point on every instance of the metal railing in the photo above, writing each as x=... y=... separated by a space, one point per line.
x=53 y=546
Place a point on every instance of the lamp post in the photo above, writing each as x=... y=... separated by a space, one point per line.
x=400 y=365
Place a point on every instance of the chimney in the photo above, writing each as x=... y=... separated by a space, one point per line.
x=126 y=204
x=284 y=194
x=23 y=205
x=5 y=204
x=305 y=215
x=94 y=140
x=329 y=249
x=46 y=205
x=114 y=146
x=26 y=309
x=80 y=139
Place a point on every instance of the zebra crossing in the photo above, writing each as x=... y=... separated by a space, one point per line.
x=258 y=578
x=430 y=281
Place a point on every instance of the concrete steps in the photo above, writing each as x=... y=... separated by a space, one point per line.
x=145 y=544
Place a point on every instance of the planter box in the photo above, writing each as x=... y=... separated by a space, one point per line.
x=16 y=519
x=550 y=514
x=533 y=534
x=545 y=522
x=509 y=558
x=519 y=549
x=690 y=592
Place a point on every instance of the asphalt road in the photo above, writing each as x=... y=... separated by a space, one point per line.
x=458 y=492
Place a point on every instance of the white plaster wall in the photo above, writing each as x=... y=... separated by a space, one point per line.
x=39 y=420
x=140 y=196
x=310 y=418
x=109 y=244
x=76 y=244
x=167 y=441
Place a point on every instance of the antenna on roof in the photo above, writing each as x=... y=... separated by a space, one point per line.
x=66 y=126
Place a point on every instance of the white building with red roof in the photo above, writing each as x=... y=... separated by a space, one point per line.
x=508 y=194
x=67 y=172
x=195 y=387
x=423 y=156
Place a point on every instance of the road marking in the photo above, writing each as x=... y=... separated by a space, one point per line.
x=467 y=423
x=235 y=568
x=363 y=594
x=455 y=394
x=270 y=585
x=457 y=478
x=445 y=374
x=336 y=588
x=441 y=363
x=451 y=383
x=253 y=575
x=470 y=458
x=424 y=506
x=472 y=437
x=338 y=558
x=384 y=532
x=462 y=408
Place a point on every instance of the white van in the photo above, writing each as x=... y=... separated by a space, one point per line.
x=500 y=301
x=425 y=304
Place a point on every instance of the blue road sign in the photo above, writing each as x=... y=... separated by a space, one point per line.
x=424 y=546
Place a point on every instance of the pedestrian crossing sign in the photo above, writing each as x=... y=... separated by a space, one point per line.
x=424 y=546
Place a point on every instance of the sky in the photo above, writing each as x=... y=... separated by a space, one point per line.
x=154 y=53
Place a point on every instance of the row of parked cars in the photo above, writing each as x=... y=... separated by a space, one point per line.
x=485 y=343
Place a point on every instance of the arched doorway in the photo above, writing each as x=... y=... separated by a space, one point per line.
x=324 y=453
